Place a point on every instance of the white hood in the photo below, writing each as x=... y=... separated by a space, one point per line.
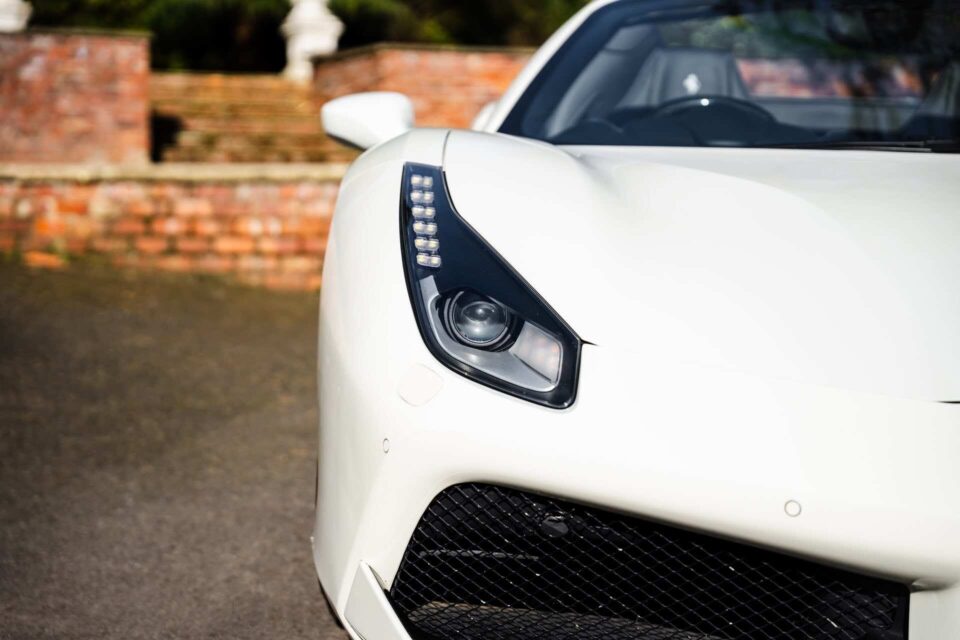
x=829 y=267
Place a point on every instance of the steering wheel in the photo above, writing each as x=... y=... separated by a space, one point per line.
x=684 y=104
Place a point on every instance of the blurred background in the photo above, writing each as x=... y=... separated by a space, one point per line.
x=184 y=135
x=166 y=189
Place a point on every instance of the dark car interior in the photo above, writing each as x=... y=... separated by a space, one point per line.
x=639 y=83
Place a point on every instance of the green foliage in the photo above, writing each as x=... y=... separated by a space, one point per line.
x=227 y=35
x=244 y=35
x=220 y=35
x=89 y=13
x=518 y=22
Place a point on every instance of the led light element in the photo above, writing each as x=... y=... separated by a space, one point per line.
x=427 y=244
x=416 y=181
x=429 y=260
x=425 y=228
x=424 y=213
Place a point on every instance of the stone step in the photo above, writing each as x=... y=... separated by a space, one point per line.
x=183 y=154
x=266 y=126
x=239 y=94
x=236 y=109
x=215 y=81
x=257 y=118
x=206 y=138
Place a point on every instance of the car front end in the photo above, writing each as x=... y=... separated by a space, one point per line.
x=571 y=389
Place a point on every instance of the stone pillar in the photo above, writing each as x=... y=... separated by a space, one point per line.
x=14 y=15
x=311 y=30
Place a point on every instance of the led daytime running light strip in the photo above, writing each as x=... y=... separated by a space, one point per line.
x=422 y=198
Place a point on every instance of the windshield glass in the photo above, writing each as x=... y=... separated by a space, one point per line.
x=816 y=73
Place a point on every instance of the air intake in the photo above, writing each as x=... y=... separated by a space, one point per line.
x=488 y=563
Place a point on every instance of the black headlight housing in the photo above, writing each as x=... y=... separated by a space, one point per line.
x=475 y=313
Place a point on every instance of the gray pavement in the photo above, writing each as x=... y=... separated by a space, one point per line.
x=157 y=439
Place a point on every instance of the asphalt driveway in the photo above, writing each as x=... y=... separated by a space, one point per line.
x=157 y=440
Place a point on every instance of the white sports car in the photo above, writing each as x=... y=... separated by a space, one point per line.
x=666 y=347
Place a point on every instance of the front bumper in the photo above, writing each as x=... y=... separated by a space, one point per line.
x=723 y=453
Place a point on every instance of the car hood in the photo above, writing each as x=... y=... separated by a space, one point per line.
x=829 y=267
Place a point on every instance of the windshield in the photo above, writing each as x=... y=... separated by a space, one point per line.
x=815 y=73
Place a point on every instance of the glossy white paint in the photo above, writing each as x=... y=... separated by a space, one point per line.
x=367 y=119
x=767 y=327
x=368 y=614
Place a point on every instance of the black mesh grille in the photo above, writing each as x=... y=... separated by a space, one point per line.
x=488 y=563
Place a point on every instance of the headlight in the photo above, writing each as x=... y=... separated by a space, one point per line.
x=475 y=313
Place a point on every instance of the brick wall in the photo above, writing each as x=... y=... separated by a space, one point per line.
x=73 y=97
x=264 y=225
x=448 y=86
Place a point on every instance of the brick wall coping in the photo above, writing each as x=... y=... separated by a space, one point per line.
x=416 y=46
x=192 y=173
x=84 y=31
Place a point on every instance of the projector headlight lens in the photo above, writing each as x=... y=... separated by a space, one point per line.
x=478 y=321
x=475 y=313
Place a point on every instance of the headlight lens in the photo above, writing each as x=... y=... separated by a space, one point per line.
x=475 y=313
x=477 y=321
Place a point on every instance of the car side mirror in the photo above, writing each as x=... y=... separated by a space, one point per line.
x=364 y=120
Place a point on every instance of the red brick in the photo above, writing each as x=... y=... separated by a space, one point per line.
x=233 y=244
x=73 y=206
x=129 y=227
x=278 y=246
x=49 y=226
x=310 y=226
x=207 y=227
x=192 y=207
x=249 y=226
x=41 y=260
x=76 y=246
x=168 y=226
x=140 y=207
x=110 y=245
x=14 y=226
x=80 y=226
x=193 y=244
x=316 y=246
x=151 y=244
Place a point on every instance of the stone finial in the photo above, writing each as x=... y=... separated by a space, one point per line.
x=311 y=30
x=14 y=15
